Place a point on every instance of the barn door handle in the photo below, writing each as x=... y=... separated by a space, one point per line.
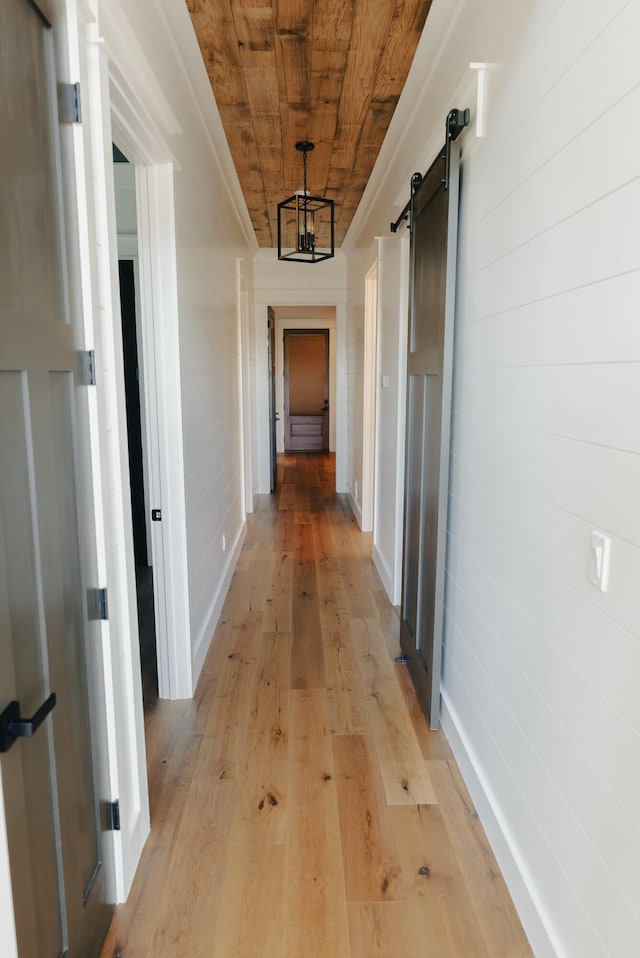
x=13 y=726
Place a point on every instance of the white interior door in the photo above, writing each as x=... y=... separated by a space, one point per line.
x=48 y=754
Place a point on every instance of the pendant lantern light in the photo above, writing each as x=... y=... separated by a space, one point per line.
x=305 y=222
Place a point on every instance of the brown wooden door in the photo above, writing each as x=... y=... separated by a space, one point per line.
x=306 y=389
x=429 y=365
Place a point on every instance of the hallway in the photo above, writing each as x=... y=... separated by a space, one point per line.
x=299 y=804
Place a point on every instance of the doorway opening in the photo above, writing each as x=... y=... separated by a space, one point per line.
x=137 y=423
x=306 y=390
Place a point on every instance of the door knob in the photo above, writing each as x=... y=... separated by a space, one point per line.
x=13 y=726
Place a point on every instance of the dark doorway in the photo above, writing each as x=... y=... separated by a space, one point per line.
x=144 y=571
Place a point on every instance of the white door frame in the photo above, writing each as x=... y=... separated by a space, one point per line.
x=244 y=344
x=7 y=917
x=112 y=111
x=369 y=397
x=296 y=299
x=305 y=321
x=145 y=147
x=160 y=351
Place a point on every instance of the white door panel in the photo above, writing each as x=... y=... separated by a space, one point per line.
x=51 y=794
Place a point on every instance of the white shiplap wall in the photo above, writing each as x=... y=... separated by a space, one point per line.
x=541 y=669
x=161 y=62
x=546 y=443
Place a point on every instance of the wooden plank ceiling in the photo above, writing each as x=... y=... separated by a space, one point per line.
x=329 y=71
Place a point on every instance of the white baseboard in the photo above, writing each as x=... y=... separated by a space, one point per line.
x=531 y=910
x=355 y=509
x=383 y=571
x=206 y=635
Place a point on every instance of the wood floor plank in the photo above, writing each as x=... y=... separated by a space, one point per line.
x=490 y=899
x=303 y=551
x=277 y=615
x=378 y=929
x=227 y=717
x=443 y=921
x=404 y=771
x=362 y=605
x=316 y=913
x=307 y=652
x=371 y=863
x=433 y=744
x=252 y=584
x=251 y=916
x=346 y=692
x=348 y=713
x=186 y=914
x=261 y=804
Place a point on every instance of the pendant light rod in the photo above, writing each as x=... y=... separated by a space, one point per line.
x=304 y=147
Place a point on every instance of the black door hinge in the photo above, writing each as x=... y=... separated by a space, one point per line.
x=156 y=515
x=69 y=103
x=111 y=816
x=86 y=367
x=97 y=604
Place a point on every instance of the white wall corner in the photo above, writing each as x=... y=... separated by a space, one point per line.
x=383 y=570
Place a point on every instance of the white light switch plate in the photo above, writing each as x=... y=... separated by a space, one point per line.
x=600 y=560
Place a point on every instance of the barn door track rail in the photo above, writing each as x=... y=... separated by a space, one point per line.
x=454 y=125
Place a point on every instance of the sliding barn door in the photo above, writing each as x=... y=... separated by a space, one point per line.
x=430 y=348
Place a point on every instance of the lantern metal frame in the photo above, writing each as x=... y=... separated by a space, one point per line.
x=302 y=209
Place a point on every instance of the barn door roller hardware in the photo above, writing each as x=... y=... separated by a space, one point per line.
x=454 y=125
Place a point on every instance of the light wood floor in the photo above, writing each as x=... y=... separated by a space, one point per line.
x=300 y=806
